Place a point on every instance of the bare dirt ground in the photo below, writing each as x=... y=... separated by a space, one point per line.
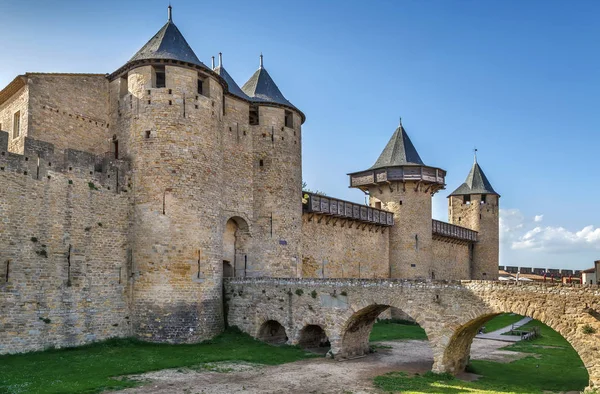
x=316 y=376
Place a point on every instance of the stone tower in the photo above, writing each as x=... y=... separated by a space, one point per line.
x=475 y=205
x=276 y=131
x=167 y=114
x=400 y=182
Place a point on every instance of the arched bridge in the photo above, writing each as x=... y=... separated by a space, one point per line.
x=297 y=311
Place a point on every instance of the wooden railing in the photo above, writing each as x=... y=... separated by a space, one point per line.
x=453 y=231
x=346 y=209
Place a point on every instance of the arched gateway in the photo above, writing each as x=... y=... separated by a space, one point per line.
x=449 y=312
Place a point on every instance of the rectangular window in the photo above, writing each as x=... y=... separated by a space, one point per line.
x=17 y=124
x=123 y=88
x=159 y=79
x=467 y=199
x=289 y=119
x=378 y=204
x=253 y=115
x=483 y=198
x=200 y=86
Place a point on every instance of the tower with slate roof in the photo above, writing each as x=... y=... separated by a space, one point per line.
x=216 y=179
x=401 y=182
x=475 y=205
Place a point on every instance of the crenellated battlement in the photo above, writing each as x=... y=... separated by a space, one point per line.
x=40 y=161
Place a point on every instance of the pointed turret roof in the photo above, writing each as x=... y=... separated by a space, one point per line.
x=261 y=87
x=399 y=151
x=169 y=44
x=234 y=88
x=476 y=183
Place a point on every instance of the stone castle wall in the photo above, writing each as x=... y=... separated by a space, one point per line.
x=63 y=248
x=70 y=111
x=18 y=102
x=451 y=260
x=339 y=248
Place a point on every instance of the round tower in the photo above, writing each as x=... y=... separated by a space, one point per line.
x=275 y=124
x=400 y=182
x=167 y=120
x=475 y=205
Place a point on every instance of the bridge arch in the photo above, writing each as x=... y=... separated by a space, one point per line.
x=561 y=310
x=313 y=336
x=272 y=332
x=356 y=330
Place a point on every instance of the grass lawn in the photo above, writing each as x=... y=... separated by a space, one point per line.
x=88 y=369
x=501 y=321
x=389 y=330
x=552 y=369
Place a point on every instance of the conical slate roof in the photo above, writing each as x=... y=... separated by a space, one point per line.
x=233 y=87
x=399 y=151
x=476 y=183
x=261 y=87
x=169 y=44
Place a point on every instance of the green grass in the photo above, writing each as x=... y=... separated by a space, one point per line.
x=501 y=321
x=547 y=369
x=389 y=330
x=89 y=369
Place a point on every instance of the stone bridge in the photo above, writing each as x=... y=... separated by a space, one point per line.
x=309 y=311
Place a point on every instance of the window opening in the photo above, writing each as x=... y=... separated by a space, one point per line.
x=17 y=124
x=115 y=143
x=123 y=88
x=261 y=163
x=200 y=86
x=253 y=116
x=289 y=119
x=467 y=199
x=483 y=199
x=159 y=74
x=378 y=205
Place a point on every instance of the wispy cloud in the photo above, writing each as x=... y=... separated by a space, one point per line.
x=538 y=218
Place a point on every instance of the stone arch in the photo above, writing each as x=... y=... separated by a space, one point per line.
x=313 y=336
x=457 y=351
x=236 y=245
x=272 y=332
x=354 y=334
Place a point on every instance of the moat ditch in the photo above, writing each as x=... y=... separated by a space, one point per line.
x=320 y=375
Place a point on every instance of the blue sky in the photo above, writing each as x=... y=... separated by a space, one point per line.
x=517 y=79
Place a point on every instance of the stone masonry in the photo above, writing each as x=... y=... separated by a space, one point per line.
x=449 y=312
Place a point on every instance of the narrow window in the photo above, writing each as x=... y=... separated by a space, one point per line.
x=115 y=143
x=159 y=77
x=17 y=124
x=467 y=199
x=253 y=115
x=200 y=86
x=123 y=88
x=261 y=163
x=0 y=126
x=483 y=198
x=378 y=205
x=289 y=119
x=148 y=133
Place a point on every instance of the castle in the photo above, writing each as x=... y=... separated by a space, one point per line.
x=126 y=198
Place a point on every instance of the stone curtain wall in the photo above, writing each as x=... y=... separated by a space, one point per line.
x=337 y=248
x=70 y=111
x=451 y=261
x=449 y=312
x=63 y=249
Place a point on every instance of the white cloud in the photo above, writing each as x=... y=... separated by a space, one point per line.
x=558 y=239
x=526 y=234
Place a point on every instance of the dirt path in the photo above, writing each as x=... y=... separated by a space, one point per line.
x=317 y=376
